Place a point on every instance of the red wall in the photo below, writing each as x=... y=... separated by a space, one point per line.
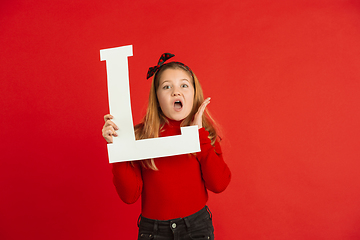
x=284 y=81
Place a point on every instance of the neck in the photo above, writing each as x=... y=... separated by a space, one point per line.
x=171 y=128
x=174 y=123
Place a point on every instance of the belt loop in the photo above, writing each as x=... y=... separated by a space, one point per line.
x=138 y=221
x=208 y=210
x=155 y=227
x=187 y=223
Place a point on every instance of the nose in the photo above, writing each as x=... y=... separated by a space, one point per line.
x=175 y=92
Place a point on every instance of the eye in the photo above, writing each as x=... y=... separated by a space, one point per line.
x=166 y=87
x=184 y=85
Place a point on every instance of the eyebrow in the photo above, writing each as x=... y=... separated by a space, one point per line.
x=185 y=79
x=165 y=82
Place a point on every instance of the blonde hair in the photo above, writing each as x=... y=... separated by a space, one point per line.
x=154 y=119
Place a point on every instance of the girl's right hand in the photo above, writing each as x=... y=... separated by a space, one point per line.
x=109 y=128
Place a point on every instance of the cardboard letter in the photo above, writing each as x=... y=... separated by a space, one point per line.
x=125 y=147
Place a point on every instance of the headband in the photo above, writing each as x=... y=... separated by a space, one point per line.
x=164 y=57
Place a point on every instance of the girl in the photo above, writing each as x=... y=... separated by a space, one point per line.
x=173 y=189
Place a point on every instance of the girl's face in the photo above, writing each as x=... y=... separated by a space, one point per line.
x=175 y=93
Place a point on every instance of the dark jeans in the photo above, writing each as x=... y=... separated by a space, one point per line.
x=196 y=226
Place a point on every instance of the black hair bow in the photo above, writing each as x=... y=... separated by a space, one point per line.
x=164 y=57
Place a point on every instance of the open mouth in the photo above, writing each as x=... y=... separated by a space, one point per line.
x=178 y=105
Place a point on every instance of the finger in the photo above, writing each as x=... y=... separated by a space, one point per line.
x=207 y=100
x=110 y=131
x=108 y=134
x=205 y=103
x=111 y=123
x=108 y=137
x=108 y=117
x=200 y=112
x=198 y=116
x=203 y=106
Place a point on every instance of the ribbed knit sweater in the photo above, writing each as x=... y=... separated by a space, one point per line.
x=179 y=187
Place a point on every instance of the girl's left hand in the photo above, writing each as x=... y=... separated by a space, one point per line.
x=200 y=112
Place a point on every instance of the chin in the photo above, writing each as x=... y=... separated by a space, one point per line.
x=177 y=118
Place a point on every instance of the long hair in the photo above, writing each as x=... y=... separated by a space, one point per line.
x=155 y=119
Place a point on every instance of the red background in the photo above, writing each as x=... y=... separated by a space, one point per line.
x=284 y=81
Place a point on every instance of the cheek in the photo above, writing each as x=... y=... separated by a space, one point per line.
x=191 y=101
x=161 y=100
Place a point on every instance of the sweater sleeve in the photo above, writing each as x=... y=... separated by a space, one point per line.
x=215 y=171
x=128 y=181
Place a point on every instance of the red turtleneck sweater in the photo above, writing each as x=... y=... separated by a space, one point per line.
x=179 y=187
